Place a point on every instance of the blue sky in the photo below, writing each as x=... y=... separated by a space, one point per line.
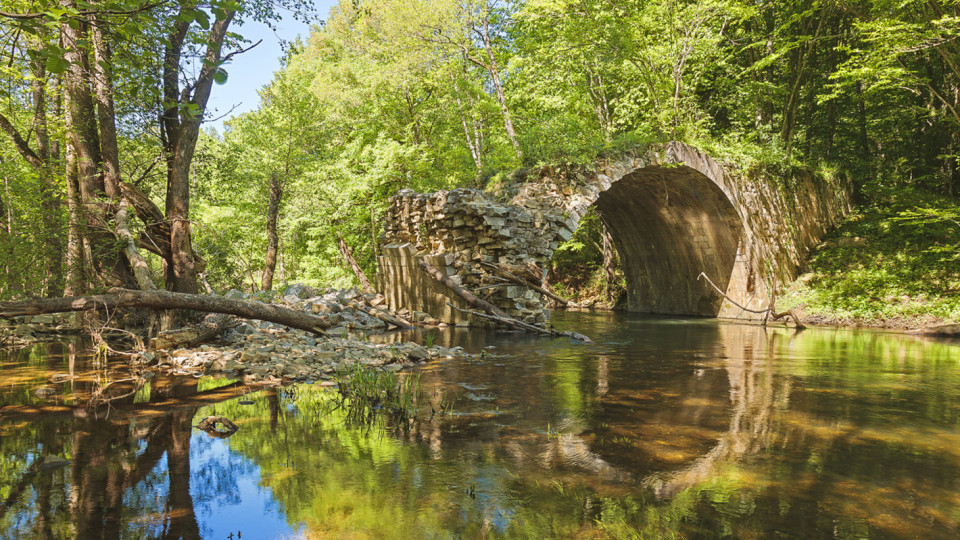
x=250 y=71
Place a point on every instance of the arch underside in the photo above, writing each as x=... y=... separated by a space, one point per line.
x=668 y=225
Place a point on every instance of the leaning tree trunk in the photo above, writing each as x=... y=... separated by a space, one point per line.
x=365 y=284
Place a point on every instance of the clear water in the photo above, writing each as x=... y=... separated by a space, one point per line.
x=664 y=428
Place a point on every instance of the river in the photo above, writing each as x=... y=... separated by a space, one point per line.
x=665 y=428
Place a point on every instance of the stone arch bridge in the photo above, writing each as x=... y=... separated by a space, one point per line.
x=672 y=211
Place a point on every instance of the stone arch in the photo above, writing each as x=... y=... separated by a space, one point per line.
x=673 y=212
x=668 y=225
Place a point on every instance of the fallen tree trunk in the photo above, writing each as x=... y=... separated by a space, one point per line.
x=382 y=315
x=509 y=321
x=468 y=296
x=191 y=336
x=492 y=312
x=162 y=300
x=520 y=281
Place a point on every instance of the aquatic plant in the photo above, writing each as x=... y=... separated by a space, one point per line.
x=370 y=395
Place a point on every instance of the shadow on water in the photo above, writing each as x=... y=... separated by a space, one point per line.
x=664 y=428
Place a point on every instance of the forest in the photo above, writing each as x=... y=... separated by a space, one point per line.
x=111 y=178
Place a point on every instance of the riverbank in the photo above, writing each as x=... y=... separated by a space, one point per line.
x=258 y=352
x=893 y=264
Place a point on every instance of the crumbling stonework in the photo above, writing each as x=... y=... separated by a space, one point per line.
x=672 y=211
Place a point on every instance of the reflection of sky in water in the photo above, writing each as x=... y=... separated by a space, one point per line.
x=227 y=495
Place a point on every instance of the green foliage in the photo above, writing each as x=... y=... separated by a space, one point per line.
x=896 y=259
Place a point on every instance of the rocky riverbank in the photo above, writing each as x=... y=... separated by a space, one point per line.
x=260 y=352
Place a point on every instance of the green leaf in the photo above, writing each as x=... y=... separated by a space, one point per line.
x=57 y=65
x=202 y=19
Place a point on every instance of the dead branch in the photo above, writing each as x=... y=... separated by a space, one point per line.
x=382 y=315
x=767 y=313
x=520 y=281
x=365 y=284
x=510 y=321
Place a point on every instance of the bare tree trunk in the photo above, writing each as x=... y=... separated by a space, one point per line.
x=273 y=239
x=99 y=246
x=474 y=151
x=76 y=269
x=48 y=186
x=106 y=115
x=495 y=76
x=365 y=284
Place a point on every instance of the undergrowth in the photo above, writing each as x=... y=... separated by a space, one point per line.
x=894 y=262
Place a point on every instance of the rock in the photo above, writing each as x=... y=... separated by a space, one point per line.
x=234 y=294
x=337 y=331
x=23 y=330
x=952 y=330
x=849 y=242
x=43 y=319
x=254 y=357
x=299 y=291
x=418 y=354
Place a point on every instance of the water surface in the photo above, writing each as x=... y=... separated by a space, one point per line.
x=664 y=428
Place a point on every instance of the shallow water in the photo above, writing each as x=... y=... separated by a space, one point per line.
x=664 y=428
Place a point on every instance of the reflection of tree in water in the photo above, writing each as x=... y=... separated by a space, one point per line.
x=128 y=475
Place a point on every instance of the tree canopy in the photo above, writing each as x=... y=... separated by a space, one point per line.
x=389 y=94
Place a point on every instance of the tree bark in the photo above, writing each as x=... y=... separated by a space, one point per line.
x=273 y=239
x=474 y=150
x=182 y=131
x=141 y=270
x=76 y=278
x=162 y=300
x=365 y=284
x=495 y=76
x=99 y=248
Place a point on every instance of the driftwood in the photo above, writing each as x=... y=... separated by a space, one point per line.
x=768 y=313
x=190 y=336
x=492 y=312
x=520 y=281
x=365 y=284
x=382 y=315
x=124 y=298
x=468 y=296
x=510 y=321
